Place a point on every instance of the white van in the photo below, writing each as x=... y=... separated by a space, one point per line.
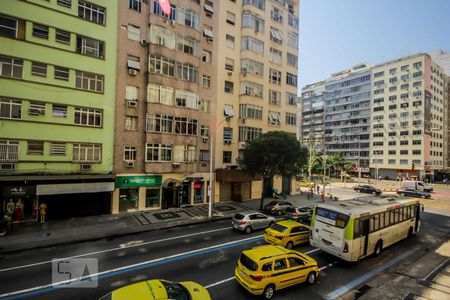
x=417 y=185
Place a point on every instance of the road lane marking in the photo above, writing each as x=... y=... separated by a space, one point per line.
x=363 y=278
x=125 y=269
x=231 y=278
x=114 y=249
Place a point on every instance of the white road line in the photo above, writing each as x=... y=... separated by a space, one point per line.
x=231 y=278
x=115 y=249
x=95 y=275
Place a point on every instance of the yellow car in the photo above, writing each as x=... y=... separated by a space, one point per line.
x=305 y=183
x=159 y=289
x=287 y=234
x=266 y=269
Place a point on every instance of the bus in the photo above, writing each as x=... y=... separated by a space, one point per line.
x=356 y=228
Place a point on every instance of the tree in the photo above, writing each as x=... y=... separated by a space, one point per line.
x=276 y=153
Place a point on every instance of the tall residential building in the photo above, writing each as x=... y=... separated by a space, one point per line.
x=408 y=120
x=347 y=115
x=165 y=95
x=57 y=93
x=256 y=56
x=312 y=120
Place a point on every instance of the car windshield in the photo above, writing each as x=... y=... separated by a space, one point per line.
x=176 y=291
x=238 y=216
x=248 y=263
x=279 y=228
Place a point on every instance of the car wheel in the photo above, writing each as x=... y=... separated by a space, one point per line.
x=269 y=291
x=289 y=245
x=311 y=279
x=248 y=229
x=378 y=248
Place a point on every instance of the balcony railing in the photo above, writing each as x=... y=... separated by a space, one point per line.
x=9 y=153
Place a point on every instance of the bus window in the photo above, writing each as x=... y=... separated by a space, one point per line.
x=357 y=229
x=371 y=225
x=396 y=213
x=387 y=223
x=376 y=222
x=381 y=220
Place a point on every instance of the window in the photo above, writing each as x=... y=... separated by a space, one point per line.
x=163 y=37
x=65 y=3
x=184 y=153
x=11 y=67
x=59 y=111
x=274 y=118
x=186 y=99
x=134 y=5
x=229 y=87
x=249 y=133
x=91 y=12
x=204 y=156
x=378 y=100
x=229 y=64
x=89 y=81
x=276 y=15
x=160 y=94
x=392 y=133
x=206 y=81
x=417 y=152
x=256 y=3
x=275 y=76
x=40 y=31
x=62 y=36
x=185 y=126
x=252 y=66
x=36 y=108
x=252 y=44
x=378 y=134
x=131 y=123
x=158 y=152
x=205 y=106
x=159 y=123
x=291 y=119
x=379 y=108
x=35 y=148
x=185 y=44
x=129 y=153
x=90 y=47
x=157 y=10
x=227 y=135
x=134 y=33
x=228 y=110
x=280 y=264
x=250 y=20
x=404 y=68
x=229 y=41
x=161 y=65
x=417 y=142
x=393 y=106
x=276 y=36
x=10 y=109
x=251 y=89
x=209 y=8
x=403 y=152
x=227 y=157
x=392 y=152
x=186 y=71
x=292 y=59
x=250 y=111
x=417 y=132
x=188 y=18
x=291 y=99
x=57 y=149
x=8 y=27
x=392 y=143
x=274 y=97
x=61 y=73
x=86 y=153
x=404 y=132
x=9 y=150
x=88 y=117
x=206 y=57
x=378 y=74
x=38 y=69
x=131 y=92
x=291 y=79
x=293 y=40
x=231 y=18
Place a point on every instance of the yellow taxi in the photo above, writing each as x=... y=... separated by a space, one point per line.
x=287 y=233
x=266 y=269
x=159 y=289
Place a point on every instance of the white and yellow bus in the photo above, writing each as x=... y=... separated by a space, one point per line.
x=356 y=228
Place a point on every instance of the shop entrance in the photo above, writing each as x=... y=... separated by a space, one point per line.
x=21 y=209
x=170 y=193
x=128 y=200
x=185 y=193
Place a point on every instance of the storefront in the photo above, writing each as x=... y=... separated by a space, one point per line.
x=20 y=202
x=133 y=193
x=234 y=185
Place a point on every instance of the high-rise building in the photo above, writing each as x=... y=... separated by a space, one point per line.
x=312 y=120
x=408 y=120
x=57 y=94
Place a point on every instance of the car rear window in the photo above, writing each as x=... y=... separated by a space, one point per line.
x=248 y=263
x=279 y=228
x=238 y=216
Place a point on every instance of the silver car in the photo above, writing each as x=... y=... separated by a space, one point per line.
x=250 y=220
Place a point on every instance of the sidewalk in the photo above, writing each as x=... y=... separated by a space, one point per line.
x=58 y=232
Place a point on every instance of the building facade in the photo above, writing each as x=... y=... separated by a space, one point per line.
x=408 y=120
x=57 y=93
x=313 y=117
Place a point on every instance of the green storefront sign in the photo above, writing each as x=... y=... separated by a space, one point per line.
x=136 y=181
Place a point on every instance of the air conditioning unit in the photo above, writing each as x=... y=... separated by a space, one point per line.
x=34 y=111
x=205 y=139
x=129 y=164
x=175 y=164
x=132 y=103
x=132 y=72
x=7 y=167
x=85 y=167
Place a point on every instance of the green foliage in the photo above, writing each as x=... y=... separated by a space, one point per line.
x=276 y=153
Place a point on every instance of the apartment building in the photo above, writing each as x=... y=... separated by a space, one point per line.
x=347 y=115
x=165 y=96
x=313 y=114
x=57 y=79
x=256 y=56
x=408 y=118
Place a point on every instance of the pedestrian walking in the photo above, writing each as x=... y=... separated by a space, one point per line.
x=42 y=211
x=318 y=189
x=323 y=196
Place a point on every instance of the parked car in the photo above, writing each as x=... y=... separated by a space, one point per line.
x=416 y=185
x=414 y=193
x=276 y=207
x=159 y=289
x=247 y=221
x=368 y=189
x=295 y=212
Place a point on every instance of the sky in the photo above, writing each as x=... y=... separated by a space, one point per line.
x=337 y=34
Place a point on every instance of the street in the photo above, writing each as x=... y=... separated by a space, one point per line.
x=205 y=253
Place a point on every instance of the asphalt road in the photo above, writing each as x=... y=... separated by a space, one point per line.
x=205 y=253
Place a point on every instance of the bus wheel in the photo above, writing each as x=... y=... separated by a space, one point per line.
x=269 y=291
x=378 y=248
x=410 y=232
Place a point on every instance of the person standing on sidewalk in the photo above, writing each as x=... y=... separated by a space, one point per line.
x=42 y=211
x=318 y=189
x=323 y=196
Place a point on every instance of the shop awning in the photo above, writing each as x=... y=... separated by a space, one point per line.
x=208 y=33
x=74 y=188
